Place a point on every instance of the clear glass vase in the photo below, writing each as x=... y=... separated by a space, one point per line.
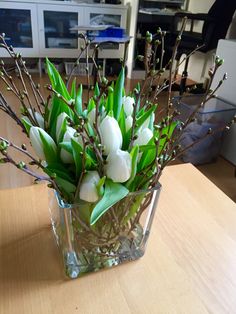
x=120 y=235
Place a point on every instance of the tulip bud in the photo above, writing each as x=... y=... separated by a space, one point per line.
x=91 y=116
x=37 y=143
x=88 y=188
x=118 y=166
x=70 y=133
x=143 y=137
x=60 y=120
x=128 y=123
x=39 y=118
x=128 y=103
x=111 y=136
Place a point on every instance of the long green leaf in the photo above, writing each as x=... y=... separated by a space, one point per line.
x=77 y=150
x=117 y=104
x=49 y=152
x=145 y=116
x=114 y=192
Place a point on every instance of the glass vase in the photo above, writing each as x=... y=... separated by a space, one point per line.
x=120 y=235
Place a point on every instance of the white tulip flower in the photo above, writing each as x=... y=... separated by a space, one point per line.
x=60 y=120
x=128 y=103
x=66 y=157
x=128 y=123
x=146 y=122
x=37 y=143
x=91 y=116
x=119 y=166
x=88 y=188
x=111 y=136
x=39 y=118
x=144 y=137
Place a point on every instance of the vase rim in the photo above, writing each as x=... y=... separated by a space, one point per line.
x=62 y=204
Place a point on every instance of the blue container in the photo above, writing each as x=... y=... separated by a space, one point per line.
x=116 y=32
x=215 y=115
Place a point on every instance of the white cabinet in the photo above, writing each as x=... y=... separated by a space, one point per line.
x=19 y=22
x=107 y=16
x=56 y=39
x=42 y=28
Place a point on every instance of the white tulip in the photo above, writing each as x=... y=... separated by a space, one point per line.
x=128 y=123
x=60 y=120
x=37 y=142
x=119 y=166
x=88 y=188
x=39 y=118
x=66 y=157
x=146 y=122
x=128 y=103
x=144 y=137
x=91 y=116
x=111 y=136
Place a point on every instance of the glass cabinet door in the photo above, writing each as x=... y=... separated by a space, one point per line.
x=16 y=24
x=55 y=23
x=57 y=29
x=19 y=23
x=108 y=16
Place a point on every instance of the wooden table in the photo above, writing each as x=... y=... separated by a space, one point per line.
x=189 y=266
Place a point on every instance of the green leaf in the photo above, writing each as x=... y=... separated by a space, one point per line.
x=148 y=156
x=96 y=90
x=114 y=192
x=134 y=158
x=73 y=89
x=26 y=123
x=52 y=73
x=66 y=146
x=110 y=99
x=121 y=123
x=60 y=171
x=66 y=187
x=145 y=116
x=118 y=94
x=134 y=208
x=79 y=100
x=49 y=152
x=168 y=131
x=56 y=80
x=100 y=188
x=77 y=150
x=62 y=131
x=91 y=104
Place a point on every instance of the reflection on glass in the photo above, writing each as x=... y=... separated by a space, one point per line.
x=105 y=19
x=16 y=24
x=57 y=29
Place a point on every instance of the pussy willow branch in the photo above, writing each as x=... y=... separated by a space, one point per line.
x=23 y=151
x=7 y=109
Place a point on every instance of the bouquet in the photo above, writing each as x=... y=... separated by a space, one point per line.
x=102 y=156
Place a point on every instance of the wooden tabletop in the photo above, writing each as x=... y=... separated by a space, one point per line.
x=189 y=266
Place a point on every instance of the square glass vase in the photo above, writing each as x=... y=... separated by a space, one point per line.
x=119 y=236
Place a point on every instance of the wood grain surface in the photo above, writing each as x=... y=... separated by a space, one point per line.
x=189 y=266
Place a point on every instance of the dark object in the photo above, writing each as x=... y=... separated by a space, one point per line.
x=215 y=27
x=113 y=1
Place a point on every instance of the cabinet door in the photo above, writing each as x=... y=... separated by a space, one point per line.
x=19 y=23
x=108 y=16
x=56 y=39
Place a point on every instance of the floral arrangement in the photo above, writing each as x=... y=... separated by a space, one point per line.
x=98 y=152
